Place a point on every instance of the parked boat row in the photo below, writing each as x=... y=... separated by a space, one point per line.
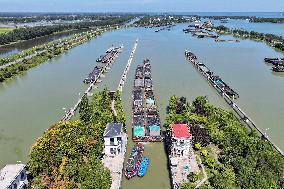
x=165 y=28
x=214 y=79
x=278 y=64
x=110 y=54
x=274 y=61
x=134 y=160
x=146 y=125
x=108 y=59
x=137 y=164
x=227 y=40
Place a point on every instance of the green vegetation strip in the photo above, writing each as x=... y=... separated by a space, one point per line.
x=68 y=154
x=158 y=21
x=272 y=40
x=5 y=30
x=250 y=18
x=48 y=51
x=234 y=157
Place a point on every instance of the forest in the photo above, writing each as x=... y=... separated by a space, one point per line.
x=68 y=154
x=233 y=155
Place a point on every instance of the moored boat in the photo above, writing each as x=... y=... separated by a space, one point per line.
x=143 y=167
x=133 y=162
x=278 y=68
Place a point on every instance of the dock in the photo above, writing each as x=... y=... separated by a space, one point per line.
x=126 y=70
x=93 y=84
x=230 y=101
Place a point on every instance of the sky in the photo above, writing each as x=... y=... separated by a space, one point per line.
x=141 y=5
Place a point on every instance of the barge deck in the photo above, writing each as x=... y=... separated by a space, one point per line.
x=146 y=124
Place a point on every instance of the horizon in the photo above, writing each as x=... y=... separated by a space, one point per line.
x=142 y=6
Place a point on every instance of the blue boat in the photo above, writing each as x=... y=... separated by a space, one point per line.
x=143 y=166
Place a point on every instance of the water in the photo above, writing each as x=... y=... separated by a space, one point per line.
x=32 y=102
x=8 y=50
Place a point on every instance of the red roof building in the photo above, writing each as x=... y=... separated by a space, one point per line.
x=180 y=131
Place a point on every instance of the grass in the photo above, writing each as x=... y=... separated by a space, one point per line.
x=5 y=30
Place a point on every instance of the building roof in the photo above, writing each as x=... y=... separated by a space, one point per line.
x=9 y=173
x=180 y=131
x=113 y=129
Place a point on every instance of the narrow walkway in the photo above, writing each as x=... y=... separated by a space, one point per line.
x=113 y=108
x=204 y=174
x=126 y=70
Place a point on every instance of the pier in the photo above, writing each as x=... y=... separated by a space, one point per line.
x=71 y=112
x=230 y=101
x=126 y=70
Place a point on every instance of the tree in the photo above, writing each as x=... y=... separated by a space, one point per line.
x=85 y=110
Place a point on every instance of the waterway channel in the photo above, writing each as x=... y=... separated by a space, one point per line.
x=32 y=102
x=8 y=50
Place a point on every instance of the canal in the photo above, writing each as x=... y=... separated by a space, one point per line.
x=32 y=102
x=8 y=50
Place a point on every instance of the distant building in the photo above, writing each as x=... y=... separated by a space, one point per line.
x=13 y=176
x=114 y=139
x=181 y=140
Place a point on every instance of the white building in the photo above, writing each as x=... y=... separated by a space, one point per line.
x=114 y=139
x=13 y=176
x=181 y=140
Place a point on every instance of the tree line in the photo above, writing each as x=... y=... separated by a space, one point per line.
x=26 y=33
x=250 y=18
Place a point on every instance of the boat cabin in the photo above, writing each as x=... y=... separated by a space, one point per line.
x=114 y=139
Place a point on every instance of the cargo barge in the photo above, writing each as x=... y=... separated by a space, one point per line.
x=146 y=124
x=215 y=80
